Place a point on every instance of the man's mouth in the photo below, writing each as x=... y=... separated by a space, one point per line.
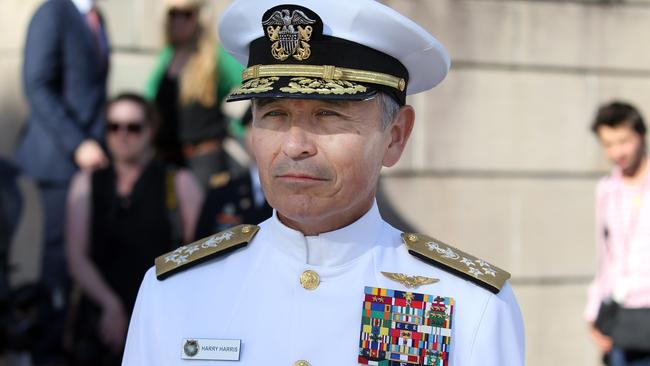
x=300 y=177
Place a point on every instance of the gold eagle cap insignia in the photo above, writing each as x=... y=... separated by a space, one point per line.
x=410 y=281
x=290 y=33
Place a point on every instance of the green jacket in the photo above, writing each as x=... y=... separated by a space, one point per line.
x=229 y=72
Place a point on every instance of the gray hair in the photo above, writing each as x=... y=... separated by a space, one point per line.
x=390 y=108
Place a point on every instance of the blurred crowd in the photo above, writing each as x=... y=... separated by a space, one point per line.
x=121 y=179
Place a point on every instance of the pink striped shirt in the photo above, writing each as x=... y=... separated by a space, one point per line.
x=623 y=239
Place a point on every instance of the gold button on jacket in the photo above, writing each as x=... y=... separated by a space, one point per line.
x=309 y=280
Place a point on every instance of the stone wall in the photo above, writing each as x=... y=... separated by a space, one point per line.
x=503 y=163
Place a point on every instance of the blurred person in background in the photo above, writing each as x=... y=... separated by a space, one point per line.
x=618 y=309
x=234 y=200
x=66 y=62
x=192 y=77
x=12 y=327
x=10 y=208
x=119 y=219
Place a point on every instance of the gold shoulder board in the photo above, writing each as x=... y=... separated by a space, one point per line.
x=456 y=261
x=201 y=250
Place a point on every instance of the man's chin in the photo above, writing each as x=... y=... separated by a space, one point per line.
x=623 y=164
x=299 y=213
x=302 y=209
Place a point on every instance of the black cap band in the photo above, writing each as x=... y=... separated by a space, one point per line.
x=327 y=50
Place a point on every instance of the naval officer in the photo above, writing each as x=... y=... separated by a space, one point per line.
x=325 y=281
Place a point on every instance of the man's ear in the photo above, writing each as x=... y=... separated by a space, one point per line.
x=399 y=131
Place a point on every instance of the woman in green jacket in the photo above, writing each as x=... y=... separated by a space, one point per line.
x=192 y=77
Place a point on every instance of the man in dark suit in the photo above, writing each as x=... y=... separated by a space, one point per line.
x=234 y=200
x=64 y=78
x=11 y=203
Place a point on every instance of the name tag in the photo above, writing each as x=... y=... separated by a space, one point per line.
x=211 y=349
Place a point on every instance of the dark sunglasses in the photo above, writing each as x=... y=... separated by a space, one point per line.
x=181 y=13
x=131 y=127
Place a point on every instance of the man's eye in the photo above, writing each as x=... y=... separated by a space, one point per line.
x=327 y=113
x=274 y=114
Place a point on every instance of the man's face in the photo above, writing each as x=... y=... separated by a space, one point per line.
x=319 y=161
x=623 y=146
x=128 y=135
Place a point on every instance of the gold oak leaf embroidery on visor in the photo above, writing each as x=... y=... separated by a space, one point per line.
x=260 y=85
x=320 y=86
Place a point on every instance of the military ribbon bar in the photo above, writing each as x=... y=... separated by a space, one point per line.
x=401 y=327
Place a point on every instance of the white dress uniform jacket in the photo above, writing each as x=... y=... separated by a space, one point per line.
x=254 y=295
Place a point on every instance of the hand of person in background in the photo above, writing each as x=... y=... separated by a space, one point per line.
x=603 y=342
x=113 y=326
x=89 y=155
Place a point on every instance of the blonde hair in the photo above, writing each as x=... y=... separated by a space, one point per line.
x=199 y=75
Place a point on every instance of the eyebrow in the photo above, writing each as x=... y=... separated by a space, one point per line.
x=261 y=102
x=336 y=102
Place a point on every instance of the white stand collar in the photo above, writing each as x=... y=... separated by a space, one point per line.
x=331 y=248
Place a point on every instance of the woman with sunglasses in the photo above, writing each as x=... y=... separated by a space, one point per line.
x=192 y=77
x=119 y=219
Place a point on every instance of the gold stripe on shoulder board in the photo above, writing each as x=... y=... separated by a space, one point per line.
x=201 y=250
x=456 y=261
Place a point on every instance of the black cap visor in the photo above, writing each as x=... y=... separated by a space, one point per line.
x=302 y=88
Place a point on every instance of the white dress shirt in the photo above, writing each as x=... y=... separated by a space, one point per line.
x=254 y=295
x=84 y=6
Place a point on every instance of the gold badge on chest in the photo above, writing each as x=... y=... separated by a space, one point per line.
x=410 y=281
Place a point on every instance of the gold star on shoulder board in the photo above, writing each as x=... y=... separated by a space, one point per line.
x=410 y=281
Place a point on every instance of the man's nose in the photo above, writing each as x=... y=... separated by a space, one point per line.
x=298 y=143
x=616 y=152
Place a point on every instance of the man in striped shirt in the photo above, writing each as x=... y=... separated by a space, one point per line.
x=623 y=225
